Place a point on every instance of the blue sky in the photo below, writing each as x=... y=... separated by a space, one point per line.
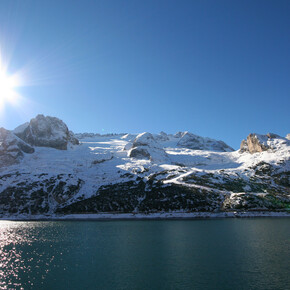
x=216 y=68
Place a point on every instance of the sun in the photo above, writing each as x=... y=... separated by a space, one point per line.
x=8 y=85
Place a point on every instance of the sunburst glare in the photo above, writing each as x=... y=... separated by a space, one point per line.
x=41 y=70
x=8 y=86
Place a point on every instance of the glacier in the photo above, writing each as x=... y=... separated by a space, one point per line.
x=48 y=171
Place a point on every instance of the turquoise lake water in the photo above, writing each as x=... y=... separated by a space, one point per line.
x=160 y=254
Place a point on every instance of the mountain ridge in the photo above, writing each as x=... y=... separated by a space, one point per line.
x=138 y=173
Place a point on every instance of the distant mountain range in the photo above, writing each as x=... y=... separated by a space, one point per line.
x=47 y=170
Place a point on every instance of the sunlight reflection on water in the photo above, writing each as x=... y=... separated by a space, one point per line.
x=200 y=254
x=19 y=256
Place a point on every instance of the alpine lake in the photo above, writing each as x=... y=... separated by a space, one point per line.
x=232 y=253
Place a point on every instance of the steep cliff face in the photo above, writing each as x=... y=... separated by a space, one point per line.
x=46 y=132
x=259 y=143
x=12 y=148
x=144 y=173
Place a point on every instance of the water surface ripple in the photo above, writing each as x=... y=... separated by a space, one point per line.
x=167 y=254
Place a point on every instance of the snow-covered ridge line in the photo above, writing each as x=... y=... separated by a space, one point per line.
x=45 y=169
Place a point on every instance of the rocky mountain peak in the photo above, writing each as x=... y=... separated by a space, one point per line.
x=145 y=173
x=46 y=131
x=195 y=142
x=162 y=136
x=259 y=143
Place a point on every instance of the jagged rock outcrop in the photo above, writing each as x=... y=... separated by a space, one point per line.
x=288 y=136
x=139 y=153
x=254 y=143
x=259 y=143
x=191 y=141
x=11 y=148
x=47 y=131
x=164 y=174
x=72 y=138
x=178 y=134
x=146 y=147
x=162 y=136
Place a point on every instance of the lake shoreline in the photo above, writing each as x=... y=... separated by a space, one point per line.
x=142 y=216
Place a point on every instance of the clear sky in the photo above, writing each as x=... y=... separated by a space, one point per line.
x=219 y=69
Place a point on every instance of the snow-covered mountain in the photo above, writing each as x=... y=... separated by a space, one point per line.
x=46 y=132
x=46 y=169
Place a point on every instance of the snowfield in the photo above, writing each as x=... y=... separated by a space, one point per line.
x=137 y=174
